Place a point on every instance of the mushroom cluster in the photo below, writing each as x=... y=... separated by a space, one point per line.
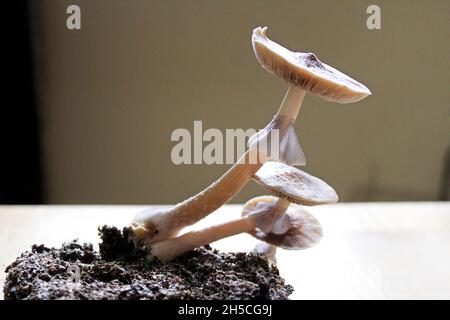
x=271 y=219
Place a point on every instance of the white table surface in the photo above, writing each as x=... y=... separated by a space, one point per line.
x=369 y=250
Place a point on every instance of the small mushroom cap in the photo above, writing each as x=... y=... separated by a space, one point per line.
x=306 y=70
x=294 y=184
x=304 y=231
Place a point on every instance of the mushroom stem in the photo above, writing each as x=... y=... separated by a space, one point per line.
x=268 y=250
x=282 y=204
x=168 y=249
x=281 y=222
x=268 y=217
x=218 y=193
x=292 y=102
x=153 y=226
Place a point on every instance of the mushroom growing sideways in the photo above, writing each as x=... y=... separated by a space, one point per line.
x=261 y=216
x=304 y=72
x=302 y=232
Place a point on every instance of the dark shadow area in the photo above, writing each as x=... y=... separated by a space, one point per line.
x=20 y=165
x=444 y=192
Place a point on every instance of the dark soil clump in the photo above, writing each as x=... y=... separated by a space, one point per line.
x=120 y=271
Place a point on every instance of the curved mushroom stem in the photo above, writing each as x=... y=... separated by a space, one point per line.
x=153 y=226
x=171 y=248
x=160 y=225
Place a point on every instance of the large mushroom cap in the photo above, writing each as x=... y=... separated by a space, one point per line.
x=304 y=230
x=306 y=70
x=295 y=185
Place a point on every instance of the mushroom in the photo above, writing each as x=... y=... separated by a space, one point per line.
x=304 y=72
x=303 y=231
x=290 y=185
x=267 y=218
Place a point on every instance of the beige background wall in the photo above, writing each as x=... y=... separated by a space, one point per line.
x=112 y=93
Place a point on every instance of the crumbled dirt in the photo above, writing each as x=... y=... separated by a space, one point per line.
x=120 y=271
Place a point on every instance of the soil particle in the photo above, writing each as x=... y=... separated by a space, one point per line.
x=120 y=271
